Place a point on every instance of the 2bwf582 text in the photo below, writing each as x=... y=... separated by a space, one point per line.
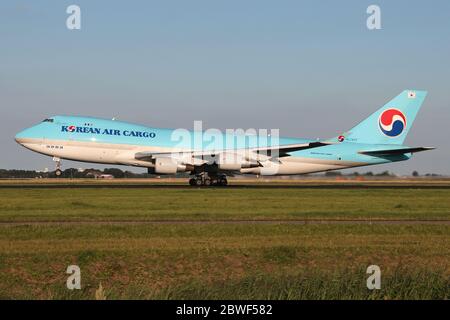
x=226 y=309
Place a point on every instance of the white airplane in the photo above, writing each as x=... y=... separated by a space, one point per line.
x=378 y=139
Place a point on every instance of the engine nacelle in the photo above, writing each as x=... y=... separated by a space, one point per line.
x=168 y=166
x=234 y=162
x=229 y=161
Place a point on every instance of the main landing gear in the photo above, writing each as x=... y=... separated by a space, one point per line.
x=58 y=171
x=204 y=179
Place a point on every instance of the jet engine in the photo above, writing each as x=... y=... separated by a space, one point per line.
x=168 y=166
x=234 y=162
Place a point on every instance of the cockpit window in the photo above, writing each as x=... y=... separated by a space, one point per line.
x=48 y=120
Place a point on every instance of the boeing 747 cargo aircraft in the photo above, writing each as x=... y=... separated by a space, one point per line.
x=210 y=158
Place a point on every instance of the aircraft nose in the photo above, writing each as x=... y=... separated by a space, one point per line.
x=19 y=140
x=21 y=136
x=18 y=137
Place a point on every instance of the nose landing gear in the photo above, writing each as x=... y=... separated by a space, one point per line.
x=58 y=171
x=204 y=179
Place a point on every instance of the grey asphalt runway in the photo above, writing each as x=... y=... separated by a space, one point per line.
x=230 y=186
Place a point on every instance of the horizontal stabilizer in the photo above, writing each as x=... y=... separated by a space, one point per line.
x=388 y=152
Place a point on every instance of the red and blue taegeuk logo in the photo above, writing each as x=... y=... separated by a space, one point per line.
x=392 y=122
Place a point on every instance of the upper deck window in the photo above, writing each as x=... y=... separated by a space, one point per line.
x=48 y=120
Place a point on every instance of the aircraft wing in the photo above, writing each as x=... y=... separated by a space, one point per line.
x=391 y=152
x=283 y=151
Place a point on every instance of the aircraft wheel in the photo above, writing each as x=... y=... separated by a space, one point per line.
x=207 y=182
x=192 y=182
x=223 y=182
x=58 y=173
x=198 y=182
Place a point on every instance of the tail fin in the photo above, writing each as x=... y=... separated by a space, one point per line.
x=391 y=123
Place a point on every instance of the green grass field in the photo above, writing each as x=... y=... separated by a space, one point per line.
x=43 y=230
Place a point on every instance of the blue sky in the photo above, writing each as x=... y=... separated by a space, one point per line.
x=309 y=68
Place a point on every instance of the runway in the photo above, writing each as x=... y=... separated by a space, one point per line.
x=241 y=185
